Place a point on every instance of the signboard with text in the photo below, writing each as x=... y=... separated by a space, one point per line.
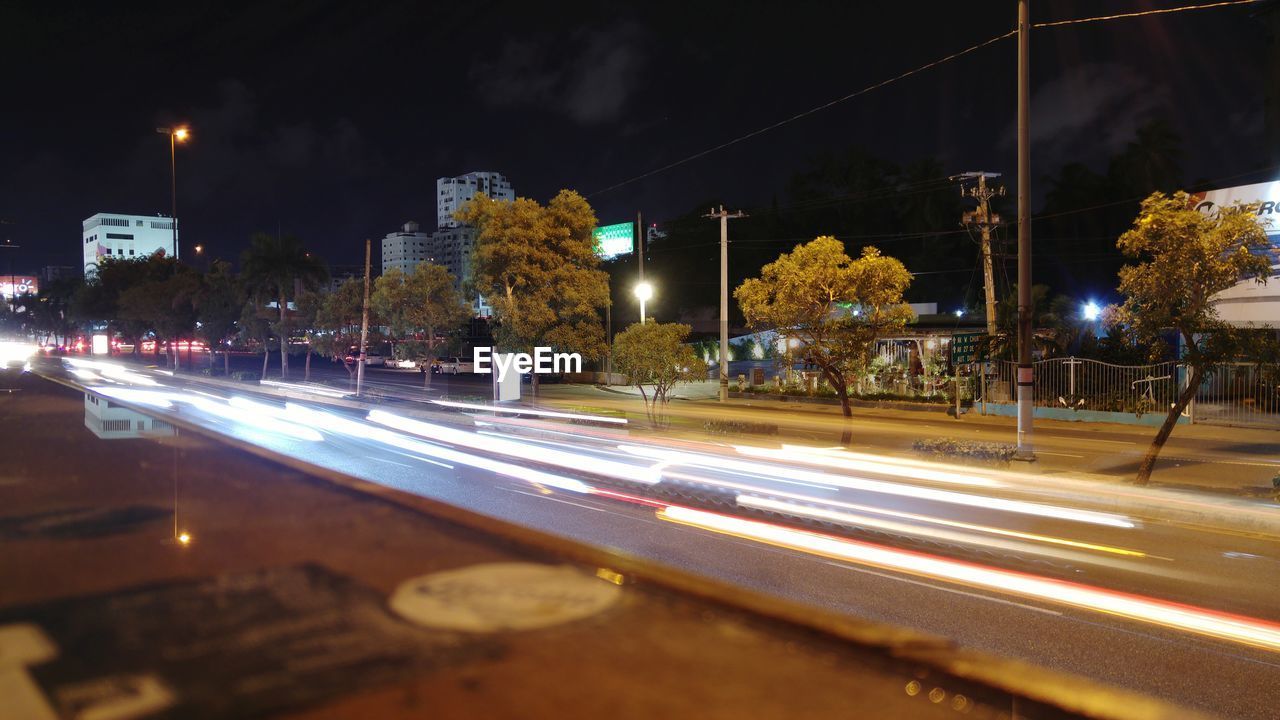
x=12 y=286
x=964 y=347
x=614 y=240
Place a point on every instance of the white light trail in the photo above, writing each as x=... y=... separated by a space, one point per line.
x=879 y=486
x=1250 y=631
x=336 y=424
x=313 y=389
x=529 y=411
x=559 y=458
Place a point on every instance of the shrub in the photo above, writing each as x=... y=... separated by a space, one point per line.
x=248 y=376
x=727 y=427
x=967 y=449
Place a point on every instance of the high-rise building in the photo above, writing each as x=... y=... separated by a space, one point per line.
x=451 y=247
x=452 y=243
x=124 y=236
x=404 y=249
x=453 y=192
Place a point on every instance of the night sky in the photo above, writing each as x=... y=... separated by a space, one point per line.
x=331 y=120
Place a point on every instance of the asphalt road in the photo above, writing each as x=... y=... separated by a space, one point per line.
x=901 y=545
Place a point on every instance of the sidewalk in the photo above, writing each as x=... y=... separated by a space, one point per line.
x=1240 y=461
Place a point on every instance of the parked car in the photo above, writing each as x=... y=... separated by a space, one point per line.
x=405 y=364
x=452 y=366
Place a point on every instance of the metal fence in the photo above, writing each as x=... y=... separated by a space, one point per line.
x=1077 y=384
x=1240 y=394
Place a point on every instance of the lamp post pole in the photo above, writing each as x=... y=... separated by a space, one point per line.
x=173 y=194
x=176 y=135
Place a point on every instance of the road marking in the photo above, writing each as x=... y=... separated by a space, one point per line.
x=391 y=462
x=1046 y=452
x=553 y=499
x=932 y=586
x=419 y=458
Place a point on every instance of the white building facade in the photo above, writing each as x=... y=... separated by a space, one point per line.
x=1249 y=303
x=124 y=237
x=453 y=242
x=405 y=249
x=453 y=192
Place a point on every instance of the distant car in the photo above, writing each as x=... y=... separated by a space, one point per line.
x=370 y=358
x=452 y=366
x=400 y=364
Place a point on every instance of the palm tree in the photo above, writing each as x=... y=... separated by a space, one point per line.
x=271 y=268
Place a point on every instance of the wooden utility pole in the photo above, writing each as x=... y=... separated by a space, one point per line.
x=983 y=219
x=364 y=323
x=724 y=295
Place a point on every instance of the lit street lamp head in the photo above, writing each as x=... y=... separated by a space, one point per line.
x=644 y=291
x=199 y=249
x=180 y=134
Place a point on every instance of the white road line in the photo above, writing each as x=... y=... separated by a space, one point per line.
x=548 y=497
x=932 y=586
x=391 y=462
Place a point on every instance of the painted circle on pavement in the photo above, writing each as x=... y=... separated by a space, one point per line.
x=493 y=597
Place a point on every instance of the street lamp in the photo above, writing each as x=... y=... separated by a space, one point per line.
x=643 y=291
x=1090 y=311
x=176 y=135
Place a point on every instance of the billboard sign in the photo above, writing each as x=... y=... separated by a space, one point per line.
x=964 y=347
x=1266 y=196
x=614 y=240
x=12 y=286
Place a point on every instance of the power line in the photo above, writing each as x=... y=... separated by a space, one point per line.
x=903 y=76
x=1123 y=16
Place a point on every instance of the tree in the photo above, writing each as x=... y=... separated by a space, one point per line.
x=309 y=304
x=420 y=309
x=837 y=307
x=338 y=321
x=271 y=268
x=166 y=307
x=255 y=325
x=538 y=268
x=654 y=354
x=219 y=304
x=1184 y=258
x=48 y=314
x=97 y=302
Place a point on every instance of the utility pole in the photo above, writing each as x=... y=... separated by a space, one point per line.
x=984 y=220
x=724 y=295
x=1026 y=371
x=364 y=322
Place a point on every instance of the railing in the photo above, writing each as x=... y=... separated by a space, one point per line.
x=1240 y=394
x=1077 y=384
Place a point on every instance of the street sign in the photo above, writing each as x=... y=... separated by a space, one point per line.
x=964 y=347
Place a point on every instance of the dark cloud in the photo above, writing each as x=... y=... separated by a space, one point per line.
x=587 y=74
x=1090 y=111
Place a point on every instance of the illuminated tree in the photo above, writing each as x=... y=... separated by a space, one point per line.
x=420 y=309
x=654 y=354
x=1184 y=258
x=538 y=269
x=835 y=306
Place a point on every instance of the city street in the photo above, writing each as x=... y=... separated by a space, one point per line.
x=960 y=555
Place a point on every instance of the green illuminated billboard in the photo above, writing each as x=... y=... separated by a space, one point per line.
x=614 y=240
